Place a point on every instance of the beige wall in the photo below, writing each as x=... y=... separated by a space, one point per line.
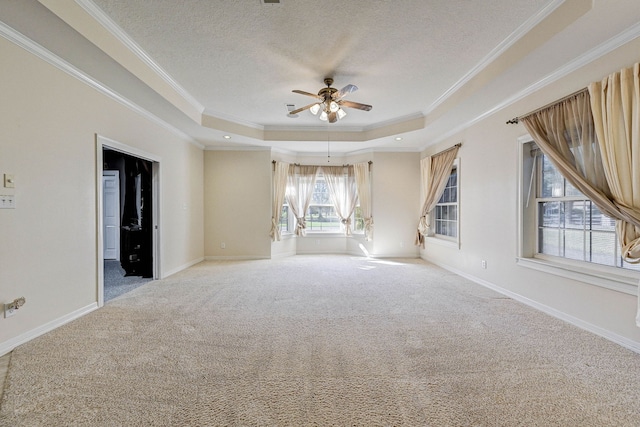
x=488 y=214
x=396 y=197
x=48 y=122
x=237 y=204
x=395 y=182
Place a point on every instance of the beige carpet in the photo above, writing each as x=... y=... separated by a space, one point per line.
x=319 y=341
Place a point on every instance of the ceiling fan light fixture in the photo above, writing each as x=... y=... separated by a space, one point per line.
x=314 y=109
x=333 y=106
x=324 y=116
x=341 y=113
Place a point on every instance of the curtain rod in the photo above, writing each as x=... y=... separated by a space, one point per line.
x=459 y=144
x=273 y=162
x=515 y=120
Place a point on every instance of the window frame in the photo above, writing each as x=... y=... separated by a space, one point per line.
x=610 y=277
x=443 y=239
x=355 y=231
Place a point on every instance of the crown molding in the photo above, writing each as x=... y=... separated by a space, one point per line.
x=591 y=55
x=39 y=51
x=96 y=13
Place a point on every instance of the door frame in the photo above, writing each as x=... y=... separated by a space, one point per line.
x=102 y=143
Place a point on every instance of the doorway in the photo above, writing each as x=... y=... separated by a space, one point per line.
x=128 y=219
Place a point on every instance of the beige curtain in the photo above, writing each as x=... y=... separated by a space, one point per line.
x=279 y=190
x=435 y=171
x=363 y=183
x=616 y=112
x=342 y=190
x=564 y=132
x=300 y=186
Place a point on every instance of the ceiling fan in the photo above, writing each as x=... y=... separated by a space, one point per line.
x=330 y=102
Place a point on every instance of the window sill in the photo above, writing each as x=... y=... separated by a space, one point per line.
x=616 y=279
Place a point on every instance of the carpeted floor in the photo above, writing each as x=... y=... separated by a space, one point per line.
x=115 y=281
x=319 y=341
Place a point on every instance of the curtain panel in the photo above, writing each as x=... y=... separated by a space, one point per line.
x=615 y=102
x=300 y=186
x=435 y=171
x=363 y=184
x=342 y=190
x=280 y=175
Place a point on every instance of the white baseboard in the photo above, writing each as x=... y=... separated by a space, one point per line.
x=9 y=345
x=235 y=258
x=182 y=267
x=604 y=333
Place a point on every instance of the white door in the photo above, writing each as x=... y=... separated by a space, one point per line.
x=111 y=214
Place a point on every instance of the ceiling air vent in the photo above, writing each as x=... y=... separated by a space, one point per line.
x=270 y=1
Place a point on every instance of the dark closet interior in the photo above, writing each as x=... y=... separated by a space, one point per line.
x=136 y=228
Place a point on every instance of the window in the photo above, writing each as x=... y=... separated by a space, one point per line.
x=569 y=225
x=562 y=232
x=284 y=218
x=321 y=215
x=445 y=213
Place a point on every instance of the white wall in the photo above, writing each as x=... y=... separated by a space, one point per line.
x=395 y=181
x=48 y=122
x=488 y=215
x=237 y=209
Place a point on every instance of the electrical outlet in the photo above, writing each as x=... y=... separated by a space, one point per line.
x=7 y=201
x=223 y=245
x=484 y=264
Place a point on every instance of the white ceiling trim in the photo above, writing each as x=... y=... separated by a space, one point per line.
x=599 y=51
x=36 y=49
x=96 y=13
x=520 y=32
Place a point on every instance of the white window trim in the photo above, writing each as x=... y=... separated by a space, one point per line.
x=614 y=278
x=439 y=239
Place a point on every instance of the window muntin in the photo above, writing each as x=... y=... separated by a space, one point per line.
x=569 y=225
x=445 y=213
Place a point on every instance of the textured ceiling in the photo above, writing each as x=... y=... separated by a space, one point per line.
x=211 y=68
x=241 y=59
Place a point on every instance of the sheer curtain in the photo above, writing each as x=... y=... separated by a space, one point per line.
x=564 y=132
x=435 y=171
x=615 y=102
x=300 y=186
x=279 y=190
x=363 y=183
x=342 y=190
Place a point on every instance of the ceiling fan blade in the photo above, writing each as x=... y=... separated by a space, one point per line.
x=333 y=117
x=301 y=92
x=357 y=105
x=344 y=91
x=306 y=107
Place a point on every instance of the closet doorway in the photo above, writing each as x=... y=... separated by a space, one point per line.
x=128 y=231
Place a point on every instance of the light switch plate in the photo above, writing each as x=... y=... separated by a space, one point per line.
x=8 y=181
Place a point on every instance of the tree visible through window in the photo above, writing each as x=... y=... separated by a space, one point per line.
x=321 y=215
